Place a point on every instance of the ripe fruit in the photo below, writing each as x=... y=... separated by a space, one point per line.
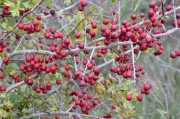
x=20 y=26
x=83 y=3
x=57 y=117
x=105 y=21
x=52 y=12
x=129 y=97
x=173 y=55
x=30 y=82
x=80 y=8
x=93 y=24
x=146 y=86
x=77 y=35
x=67 y=67
x=22 y=68
x=152 y=4
x=82 y=83
x=1 y=76
x=133 y=17
x=139 y=98
x=81 y=45
x=47 y=35
x=113 y=106
x=58 y=81
x=35 y=22
x=6 y=60
x=38 y=17
x=168 y=8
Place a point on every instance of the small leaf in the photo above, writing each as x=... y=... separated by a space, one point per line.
x=4 y=25
x=14 y=11
x=67 y=2
x=92 y=8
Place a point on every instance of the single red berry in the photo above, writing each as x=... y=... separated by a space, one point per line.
x=77 y=35
x=146 y=86
x=129 y=97
x=93 y=25
x=152 y=4
x=80 y=8
x=22 y=68
x=83 y=3
x=1 y=76
x=6 y=60
x=57 y=117
x=169 y=7
x=20 y=26
x=113 y=106
x=173 y=55
x=133 y=17
x=38 y=17
x=105 y=21
x=35 y=22
x=139 y=98
x=58 y=81
x=67 y=67
x=47 y=35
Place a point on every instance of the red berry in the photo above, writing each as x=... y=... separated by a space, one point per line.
x=173 y=55
x=169 y=7
x=81 y=45
x=83 y=3
x=38 y=17
x=1 y=76
x=129 y=97
x=80 y=8
x=60 y=34
x=30 y=82
x=35 y=22
x=113 y=106
x=139 y=98
x=133 y=17
x=93 y=25
x=38 y=90
x=77 y=35
x=67 y=67
x=47 y=35
x=151 y=12
x=67 y=41
x=152 y=4
x=6 y=60
x=177 y=52
x=146 y=86
x=57 y=117
x=20 y=26
x=58 y=81
x=105 y=21
x=22 y=68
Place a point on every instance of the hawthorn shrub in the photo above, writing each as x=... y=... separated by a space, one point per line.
x=77 y=59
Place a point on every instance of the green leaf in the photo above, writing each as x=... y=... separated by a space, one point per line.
x=14 y=11
x=47 y=2
x=92 y=8
x=4 y=25
x=3 y=113
x=26 y=4
x=67 y=2
x=113 y=0
x=8 y=3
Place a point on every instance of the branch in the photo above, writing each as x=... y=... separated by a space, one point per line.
x=56 y=113
x=68 y=51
